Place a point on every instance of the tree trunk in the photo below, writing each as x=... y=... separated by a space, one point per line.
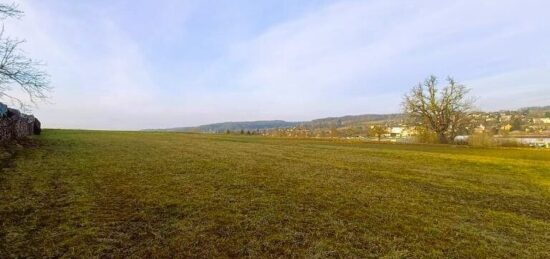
x=442 y=138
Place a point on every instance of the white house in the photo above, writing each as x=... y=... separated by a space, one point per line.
x=541 y=120
x=400 y=132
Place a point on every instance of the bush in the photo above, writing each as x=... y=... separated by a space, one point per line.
x=509 y=143
x=481 y=140
x=426 y=136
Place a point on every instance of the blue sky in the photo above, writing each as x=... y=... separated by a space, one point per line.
x=154 y=64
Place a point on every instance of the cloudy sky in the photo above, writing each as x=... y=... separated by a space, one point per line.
x=150 y=64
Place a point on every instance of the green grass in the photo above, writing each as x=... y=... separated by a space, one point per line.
x=88 y=194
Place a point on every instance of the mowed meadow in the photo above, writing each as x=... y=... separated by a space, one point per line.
x=143 y=194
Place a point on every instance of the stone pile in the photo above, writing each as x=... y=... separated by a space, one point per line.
x=15 y=125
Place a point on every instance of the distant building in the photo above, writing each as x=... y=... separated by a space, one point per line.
x=506 y=127
x=396 y=132
x=479 y=129
x=541 y=120
x=505 y=118
x=401 y=132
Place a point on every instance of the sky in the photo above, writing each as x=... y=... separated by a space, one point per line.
x=136 y=64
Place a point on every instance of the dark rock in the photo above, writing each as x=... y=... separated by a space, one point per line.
x=15 y=125
x=37 y=127
x=3 y=110
x=14 y=113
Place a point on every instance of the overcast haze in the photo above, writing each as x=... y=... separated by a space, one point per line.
x=155 y=64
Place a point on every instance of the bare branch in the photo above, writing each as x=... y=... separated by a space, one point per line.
x=18 y=70
x=443 y=111
x=9 y=11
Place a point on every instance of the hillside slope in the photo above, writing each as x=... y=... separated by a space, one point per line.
x=274 y=124
x=341 y=121
x=235 y=126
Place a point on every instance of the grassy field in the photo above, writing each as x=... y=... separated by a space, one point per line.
x=85 y=193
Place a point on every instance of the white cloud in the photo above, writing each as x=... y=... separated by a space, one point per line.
x=348 y=57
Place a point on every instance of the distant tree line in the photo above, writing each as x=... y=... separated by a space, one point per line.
x=243 y=132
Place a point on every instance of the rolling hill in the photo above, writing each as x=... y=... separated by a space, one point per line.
x=329 y=122
x=273 y=124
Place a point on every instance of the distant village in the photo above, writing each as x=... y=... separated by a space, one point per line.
x=526 y=127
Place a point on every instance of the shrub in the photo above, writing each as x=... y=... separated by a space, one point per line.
x=426 y=136
x=481 y=140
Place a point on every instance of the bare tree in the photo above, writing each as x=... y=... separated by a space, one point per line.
x=18 y=70
x=444 y=111
x=379 y=131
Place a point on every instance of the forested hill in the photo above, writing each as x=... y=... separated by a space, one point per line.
x=350 y=120
x=236 y=126
x=273 y=124
x=342 y=121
